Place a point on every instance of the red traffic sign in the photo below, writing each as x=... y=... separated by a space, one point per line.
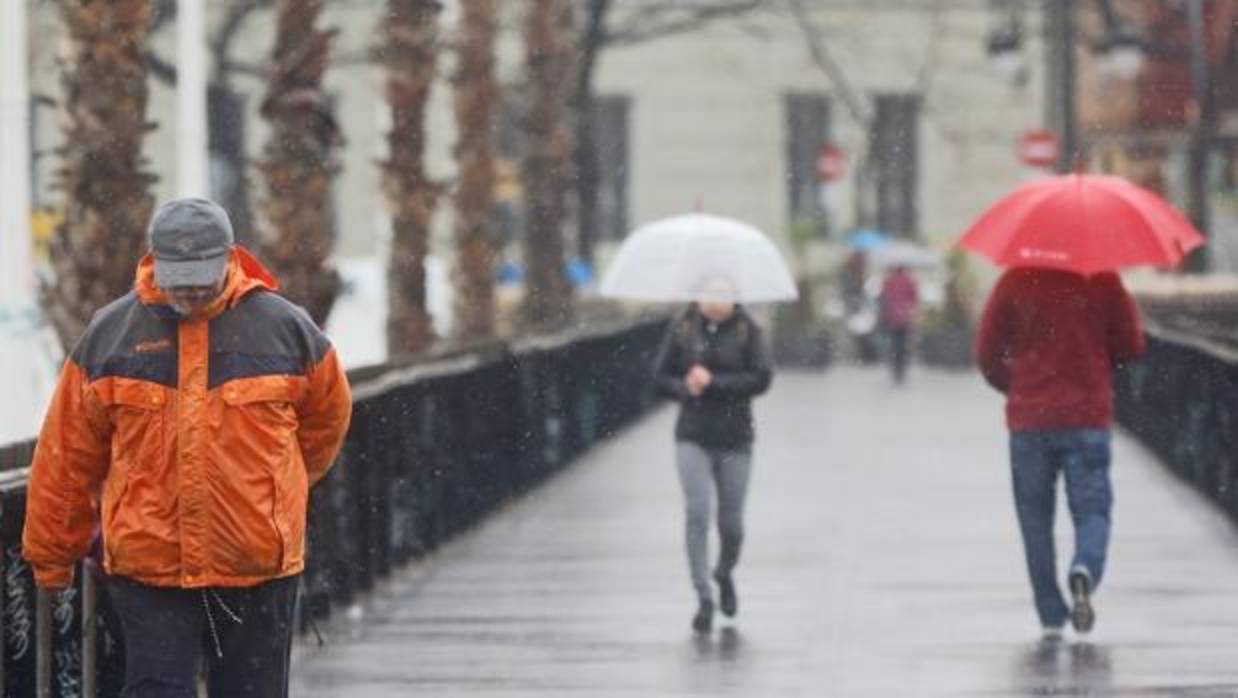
x=831 y=163
x=1038 y=148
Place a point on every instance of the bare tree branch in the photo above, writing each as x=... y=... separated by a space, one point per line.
x=162 y=13
x=655 y=21
x=261 y=71
x=820 y=53
x=221 y=43
x=163 y=70
x=932 y=54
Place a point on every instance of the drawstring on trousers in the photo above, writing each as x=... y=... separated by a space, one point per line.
x=210 y=618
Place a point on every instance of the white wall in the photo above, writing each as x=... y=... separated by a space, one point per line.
x=709 y=119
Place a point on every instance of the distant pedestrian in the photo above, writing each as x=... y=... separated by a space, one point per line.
x=900 y=306
x=1050 y=340
x=713 y=361
x=193 y=416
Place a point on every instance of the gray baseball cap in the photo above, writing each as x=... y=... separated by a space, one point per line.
x=190 y=240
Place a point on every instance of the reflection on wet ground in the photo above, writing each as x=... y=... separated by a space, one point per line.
x=1087 y=669
x=724 y=646
x=882 y=559
x=1060 y=668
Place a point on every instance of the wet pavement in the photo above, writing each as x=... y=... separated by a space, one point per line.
x=882 y=559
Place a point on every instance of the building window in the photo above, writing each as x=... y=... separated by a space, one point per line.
x=808 y=129
x=229 y=184
x=894 y=159
x=610 y=142
x=611 y=128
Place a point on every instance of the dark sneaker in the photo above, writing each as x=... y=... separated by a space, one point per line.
x=703 y=621
x=1082 y=615
x=728 y=603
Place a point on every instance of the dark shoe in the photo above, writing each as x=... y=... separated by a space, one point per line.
x=727 y=601
x=703 y=621
x=1082 y=615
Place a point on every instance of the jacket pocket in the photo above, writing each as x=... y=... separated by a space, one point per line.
x=267 y=402
x=136 y=410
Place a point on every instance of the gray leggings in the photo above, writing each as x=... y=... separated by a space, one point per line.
x=704 y=473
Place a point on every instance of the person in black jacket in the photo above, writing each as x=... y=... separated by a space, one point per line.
x=713 y=361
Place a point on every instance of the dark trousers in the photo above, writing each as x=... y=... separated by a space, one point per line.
x=900 y=351
x=245 y=634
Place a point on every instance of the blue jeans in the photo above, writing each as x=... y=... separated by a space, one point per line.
x=1083 y=456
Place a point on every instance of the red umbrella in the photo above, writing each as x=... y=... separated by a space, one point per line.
x=1084 y=223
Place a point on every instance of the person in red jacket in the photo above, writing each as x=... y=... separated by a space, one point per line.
x=1050 y=340
x=900 y=303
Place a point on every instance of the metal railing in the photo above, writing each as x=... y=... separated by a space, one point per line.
x=1181 y=400
x=434 y=446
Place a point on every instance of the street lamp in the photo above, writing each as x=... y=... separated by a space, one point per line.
x=1061 y=77
x=1005 y=51
x=1119 y=54
x=1202 y=137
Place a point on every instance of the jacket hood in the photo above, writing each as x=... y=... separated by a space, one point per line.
x=245 y=275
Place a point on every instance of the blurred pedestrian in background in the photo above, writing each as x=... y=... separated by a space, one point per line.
x=900 y=307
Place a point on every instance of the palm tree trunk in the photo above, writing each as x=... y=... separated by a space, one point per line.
x=105 y=180
x=550 y=58
x=299 y=160
x=476 y=95
x=410 y=54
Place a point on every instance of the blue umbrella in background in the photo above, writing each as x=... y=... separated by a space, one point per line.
x=579 y=272
x=509 y=274
x=867 y=239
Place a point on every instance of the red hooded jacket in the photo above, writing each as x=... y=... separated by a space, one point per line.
x=1050 y=339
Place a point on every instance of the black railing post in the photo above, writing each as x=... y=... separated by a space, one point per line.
x=20 y=614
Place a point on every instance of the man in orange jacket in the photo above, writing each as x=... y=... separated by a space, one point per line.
x=192 y=418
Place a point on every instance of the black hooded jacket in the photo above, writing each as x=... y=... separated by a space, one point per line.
x=735 y=352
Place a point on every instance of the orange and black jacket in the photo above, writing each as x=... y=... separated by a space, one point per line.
x=195 y=441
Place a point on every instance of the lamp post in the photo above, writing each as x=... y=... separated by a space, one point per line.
x=1201 y=137
x=192 y=171
x=16 y=276
x=1061 y=76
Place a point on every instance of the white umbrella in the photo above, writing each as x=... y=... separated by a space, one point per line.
x=904 y=254
x=698 y=257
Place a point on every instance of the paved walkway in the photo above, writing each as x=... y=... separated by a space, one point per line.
x=882 y=560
